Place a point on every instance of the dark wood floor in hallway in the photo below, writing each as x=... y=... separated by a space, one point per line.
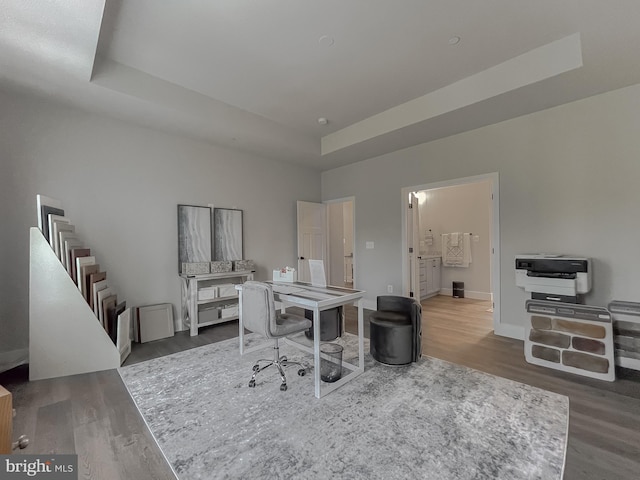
x=92 y=414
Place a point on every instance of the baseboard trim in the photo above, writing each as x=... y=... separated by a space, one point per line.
x=468 y=294
x=510 y=331
x=13 y=358
x=369 y=304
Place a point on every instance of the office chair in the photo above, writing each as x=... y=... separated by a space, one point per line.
x=396 y=330
x=259 y=315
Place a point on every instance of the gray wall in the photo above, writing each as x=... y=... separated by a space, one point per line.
x=569 y=183
x=461 y=208
x=120 y=184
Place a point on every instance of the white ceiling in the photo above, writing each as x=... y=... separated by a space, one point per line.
x=257 y=74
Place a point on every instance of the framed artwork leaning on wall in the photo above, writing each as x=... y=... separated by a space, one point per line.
x=227 y=230
x=194 y=234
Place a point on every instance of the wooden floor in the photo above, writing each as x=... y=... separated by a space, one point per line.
x=92 y=414
x=604 y=419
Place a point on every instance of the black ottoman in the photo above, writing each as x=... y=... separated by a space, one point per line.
x=330 y=324
x=391 y=338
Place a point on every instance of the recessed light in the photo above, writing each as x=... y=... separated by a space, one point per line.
x=325 y=41
x=323 y=121
x=454 y=40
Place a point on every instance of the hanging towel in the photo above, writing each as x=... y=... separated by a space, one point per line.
x=466 y=247
x=455 y=239
x=456 y=255
x=451 y=256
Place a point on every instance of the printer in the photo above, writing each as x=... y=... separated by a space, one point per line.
x=558 y=278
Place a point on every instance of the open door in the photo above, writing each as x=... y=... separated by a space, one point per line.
x=312 y=243
x=413 y=220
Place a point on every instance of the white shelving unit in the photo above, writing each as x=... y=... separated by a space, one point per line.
x=64 y=336
x=200 y=312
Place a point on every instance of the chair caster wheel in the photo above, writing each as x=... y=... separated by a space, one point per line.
x=256 y=367
x=252 y=383
x=302 y=372
x=283 y=358
x=22 y=442
x=283 y=387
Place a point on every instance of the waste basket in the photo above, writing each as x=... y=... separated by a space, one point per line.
x=330 y=362
x=458 y=289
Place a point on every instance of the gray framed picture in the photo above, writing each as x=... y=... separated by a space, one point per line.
x=227 y=230
x=194 y=234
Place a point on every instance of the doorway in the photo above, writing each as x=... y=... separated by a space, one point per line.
x=468 y=206
x=326 y=231
x=341 y=264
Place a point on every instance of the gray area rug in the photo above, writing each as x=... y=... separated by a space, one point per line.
x=428 y=420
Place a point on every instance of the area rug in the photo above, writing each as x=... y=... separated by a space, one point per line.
x=428 y=420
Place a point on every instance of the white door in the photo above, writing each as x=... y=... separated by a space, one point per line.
x=312 y=225
x=414 y=246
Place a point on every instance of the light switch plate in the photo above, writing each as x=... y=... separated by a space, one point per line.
x=369 y=245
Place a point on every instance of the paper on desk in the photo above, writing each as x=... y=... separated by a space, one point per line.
x=316 y=270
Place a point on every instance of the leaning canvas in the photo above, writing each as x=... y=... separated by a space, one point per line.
x=96 y=288
x=52 y=219
x=69 y=245
x=227 y=229
x=75 y=254
x=80 y=262
x=102 y=294
x=93 y=279
x=155 y=322
x=124 y=336
x=194 y=235
x=63 y=238
x=45 y=206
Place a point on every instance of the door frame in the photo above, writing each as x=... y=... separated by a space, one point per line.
x=351 y=199
x=494 y=178
x=413 y=247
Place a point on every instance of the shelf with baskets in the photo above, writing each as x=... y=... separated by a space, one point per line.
x=209 y=299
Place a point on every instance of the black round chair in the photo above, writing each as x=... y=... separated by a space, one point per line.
x=396 y=330
x=330 y=324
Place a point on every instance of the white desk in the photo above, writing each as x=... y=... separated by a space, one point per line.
x=319 y=299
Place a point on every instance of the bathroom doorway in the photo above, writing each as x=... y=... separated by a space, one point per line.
x=466 y=208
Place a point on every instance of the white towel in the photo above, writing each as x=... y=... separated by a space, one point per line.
x=455 y=239
x=456 y=256
x=466 y=247
x=428 y=239
x=451 y=256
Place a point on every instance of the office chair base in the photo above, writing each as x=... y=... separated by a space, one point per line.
x=281 y=363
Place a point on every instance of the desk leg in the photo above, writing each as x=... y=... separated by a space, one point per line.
x=316 y=350
x=193 y=306
x=360 y=335
x=240 y=325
